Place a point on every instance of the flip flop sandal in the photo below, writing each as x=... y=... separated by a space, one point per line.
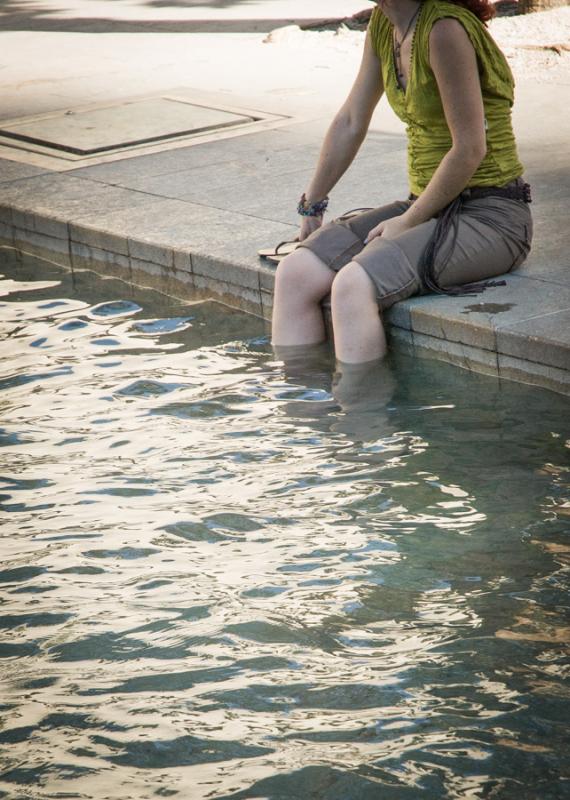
x=274 y=259
x=277 y=254
x=283 y=249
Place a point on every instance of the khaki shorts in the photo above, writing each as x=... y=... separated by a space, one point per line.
x=493 y=237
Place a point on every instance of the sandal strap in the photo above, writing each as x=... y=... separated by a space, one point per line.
x=282 y=244
x=276 y=250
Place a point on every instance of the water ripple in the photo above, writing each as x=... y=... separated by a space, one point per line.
x=227 y=578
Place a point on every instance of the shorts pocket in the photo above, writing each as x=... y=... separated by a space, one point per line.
x=524 y=247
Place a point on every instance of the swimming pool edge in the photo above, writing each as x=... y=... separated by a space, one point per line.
x=427 y=326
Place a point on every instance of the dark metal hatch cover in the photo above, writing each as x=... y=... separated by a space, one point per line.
x=137 y=122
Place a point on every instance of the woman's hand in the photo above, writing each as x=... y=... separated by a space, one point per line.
x=308 y=225
x=389 y=228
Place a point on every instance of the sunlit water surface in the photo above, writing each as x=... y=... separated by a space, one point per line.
x=218 y=582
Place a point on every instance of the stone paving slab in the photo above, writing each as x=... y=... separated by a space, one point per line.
x=106 y=127
x=261 y=175
x=63 y=197
x=268 y=187
x=544 y=263
x=204 y=231
x=549 y=274
x=362 y=185
x=12 y=170
x=258 y=150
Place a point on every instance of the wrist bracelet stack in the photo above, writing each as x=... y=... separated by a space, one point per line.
x=306 y=209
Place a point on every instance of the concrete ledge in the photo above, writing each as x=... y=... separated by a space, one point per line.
x=43 y=246
x=460 y=354
x=232 y=295
x=94 y=237
x=37 y=223
x=543 y=339
x=6 y=234
x=518 y=319
x=144 y=251
x=83 y=256
x=223 y=272
x=5 y=214
x=459 y=331
x=486 y=362
x=192 y=250
x=518 y=369
x=183 y=261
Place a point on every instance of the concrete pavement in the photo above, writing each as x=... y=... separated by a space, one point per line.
x=187 y=215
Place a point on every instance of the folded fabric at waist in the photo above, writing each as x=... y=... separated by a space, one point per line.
x=447 y=220
x=515 y=190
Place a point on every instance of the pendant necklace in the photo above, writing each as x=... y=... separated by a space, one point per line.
x=398 y=46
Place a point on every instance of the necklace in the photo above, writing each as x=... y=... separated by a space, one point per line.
x=398 y=45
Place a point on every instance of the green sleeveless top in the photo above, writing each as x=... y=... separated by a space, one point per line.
x=420 y=106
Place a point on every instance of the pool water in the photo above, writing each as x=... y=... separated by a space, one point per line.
x=223 y=576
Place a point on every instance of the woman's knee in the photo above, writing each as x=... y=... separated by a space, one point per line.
x=352 y=288
x=303 y=276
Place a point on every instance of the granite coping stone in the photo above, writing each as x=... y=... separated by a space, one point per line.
x=478 y=320
x=458 y=353
x=226 y=271
x=266 y=304
x=38 y=223
x=400 y=314
x=50 y=248
x=6 y=215
x=266 y=276
x=243 y=297
x=183 y=261
x=147 y=251
x=6 y=233
x=533 y=372
x=544 y=339
x=96 y=236
x=82 y=255
x=62 y=197
x=205 y=240
x=209 y=174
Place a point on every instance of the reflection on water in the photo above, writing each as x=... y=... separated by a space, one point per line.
x=221 y=580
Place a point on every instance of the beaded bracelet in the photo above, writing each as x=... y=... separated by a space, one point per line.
x=313 y=209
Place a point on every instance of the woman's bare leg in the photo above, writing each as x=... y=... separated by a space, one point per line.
x=301 y=282
x=358 y=330
x=365 y=386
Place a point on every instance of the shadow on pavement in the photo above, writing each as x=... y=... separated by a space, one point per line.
x=16 y=15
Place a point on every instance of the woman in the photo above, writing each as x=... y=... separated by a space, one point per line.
x=467 y=217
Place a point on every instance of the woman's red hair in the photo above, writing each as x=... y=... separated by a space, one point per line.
x=483 y=9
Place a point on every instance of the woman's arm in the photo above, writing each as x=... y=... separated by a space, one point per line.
x=346 y=132
x=454 y=63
